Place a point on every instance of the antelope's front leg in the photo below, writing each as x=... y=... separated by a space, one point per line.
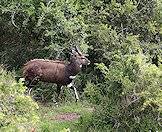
x=30 y=84
x=75 y=91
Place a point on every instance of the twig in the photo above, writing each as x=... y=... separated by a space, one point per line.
x=159 y=119
x=12 y=19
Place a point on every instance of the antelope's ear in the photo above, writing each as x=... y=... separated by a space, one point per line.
x=73 y=51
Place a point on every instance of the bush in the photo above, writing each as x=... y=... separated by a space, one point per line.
x=133 y=96
x=93 y=93
x=38 y=29
x=17 y=111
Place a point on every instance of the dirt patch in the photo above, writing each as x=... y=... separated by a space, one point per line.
x=67 y=117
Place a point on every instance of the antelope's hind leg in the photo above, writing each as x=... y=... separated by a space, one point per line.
x=58 y=90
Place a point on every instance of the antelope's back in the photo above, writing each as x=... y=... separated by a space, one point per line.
x=46 y=70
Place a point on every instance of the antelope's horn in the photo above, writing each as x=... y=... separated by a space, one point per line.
x=78 y=50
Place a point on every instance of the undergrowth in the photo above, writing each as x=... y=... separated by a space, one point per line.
x=49 y=112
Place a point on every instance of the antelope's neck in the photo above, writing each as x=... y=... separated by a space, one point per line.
x=73 y=69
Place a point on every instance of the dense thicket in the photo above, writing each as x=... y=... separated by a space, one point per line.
x=38 y=29
x=18 y=112
x=122 y=38
x=41 y=29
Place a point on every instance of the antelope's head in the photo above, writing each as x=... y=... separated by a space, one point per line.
x=78 y=57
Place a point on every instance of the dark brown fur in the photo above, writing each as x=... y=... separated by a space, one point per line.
x=50 y=71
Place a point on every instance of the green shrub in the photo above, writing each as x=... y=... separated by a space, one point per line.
x=93 y=93
x=17 y=111
x=133 y=97
x=42 y=30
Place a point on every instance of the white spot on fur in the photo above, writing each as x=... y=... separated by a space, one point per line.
x=22 y=79
x=72 y=77
x=70 y=85
x=80 y=66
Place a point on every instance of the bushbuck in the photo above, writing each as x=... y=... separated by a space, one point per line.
x=55 y=71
